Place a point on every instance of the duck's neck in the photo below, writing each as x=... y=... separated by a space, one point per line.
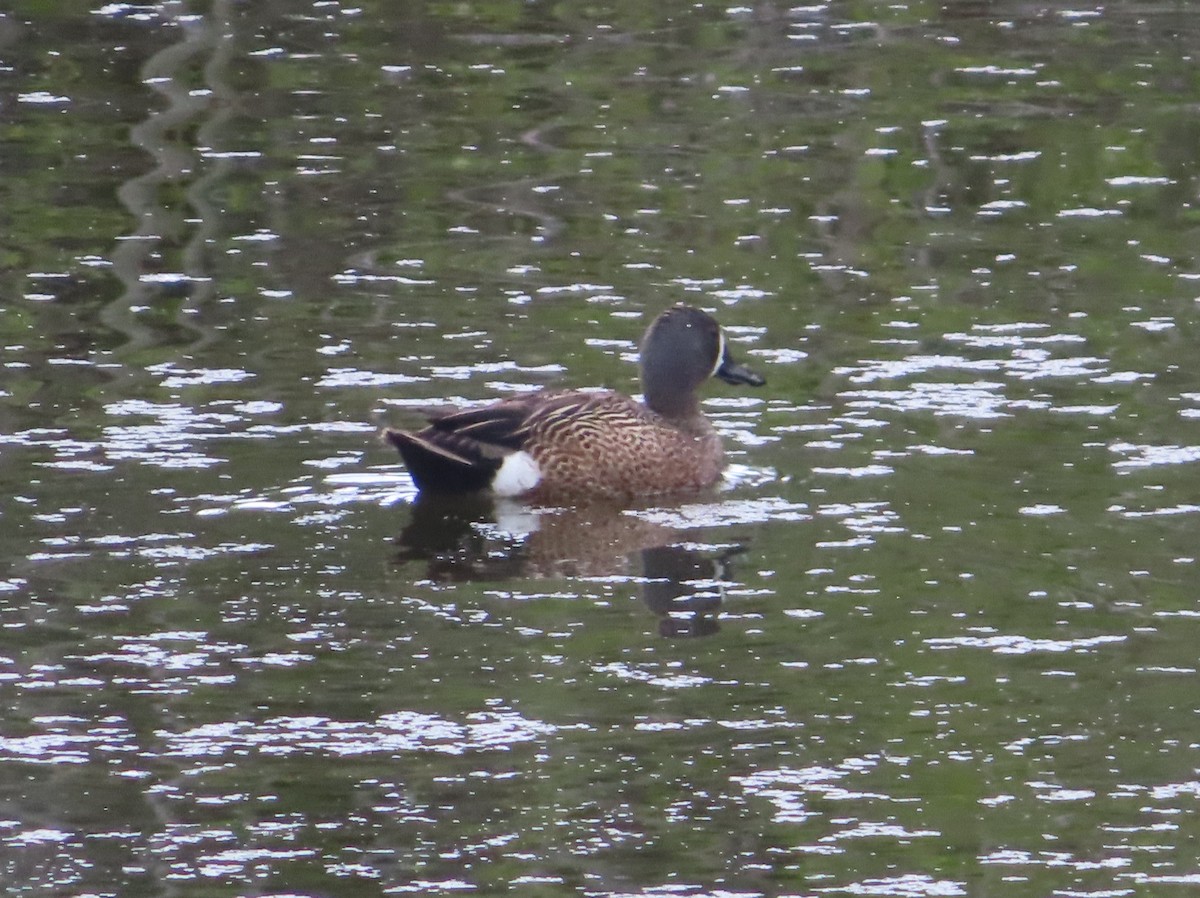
x=671 y=403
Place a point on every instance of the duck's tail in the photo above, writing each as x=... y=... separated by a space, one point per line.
x=443 y=466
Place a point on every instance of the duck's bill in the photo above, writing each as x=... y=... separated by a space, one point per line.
x=733 y=373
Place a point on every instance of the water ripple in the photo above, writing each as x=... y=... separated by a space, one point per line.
x=1147 y=456
x=725 y=514
x=1014 y=644
x=402 y=731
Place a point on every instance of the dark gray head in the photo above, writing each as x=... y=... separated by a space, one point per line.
x=682 y=348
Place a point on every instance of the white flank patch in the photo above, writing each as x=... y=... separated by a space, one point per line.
x=518 y=473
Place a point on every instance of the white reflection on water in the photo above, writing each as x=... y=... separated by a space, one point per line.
x=856 y=472
x=912 y=885
x=187 y=551
x=72 y=740
x=318 y=502
x=399 y=731
x=1089 y=212
x=63 y=747
x=1015 y=644
x=651 y=675
x=1023 y=356
x=1147 y=456
x=1023 y=363
x=789 y=789
x=725 y=514
x=980 y=400
x=452 y=886
x=863 y=518
x=169 y=440
x=352 y=377
x=1168 y=511
x=163 y=663
x=176 y=376
x=1041 y=510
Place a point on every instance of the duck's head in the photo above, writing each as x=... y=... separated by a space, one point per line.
x=682 y=348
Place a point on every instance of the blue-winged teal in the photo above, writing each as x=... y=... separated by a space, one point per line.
x=581 y=444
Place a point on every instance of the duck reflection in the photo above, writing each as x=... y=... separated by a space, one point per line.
x=685 y=588
x=473 y=538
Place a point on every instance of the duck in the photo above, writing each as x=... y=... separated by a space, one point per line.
x=568 y=445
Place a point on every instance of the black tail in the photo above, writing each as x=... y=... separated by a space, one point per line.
x=442 y=469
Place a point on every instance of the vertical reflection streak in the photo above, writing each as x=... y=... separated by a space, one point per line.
x=138 y=256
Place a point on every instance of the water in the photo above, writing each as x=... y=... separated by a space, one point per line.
x=933 y=635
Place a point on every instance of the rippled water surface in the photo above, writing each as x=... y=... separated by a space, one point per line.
x=936 y=632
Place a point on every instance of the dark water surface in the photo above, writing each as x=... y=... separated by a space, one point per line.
x=936 y=633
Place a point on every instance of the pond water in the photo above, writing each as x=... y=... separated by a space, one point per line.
x=936 y=632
